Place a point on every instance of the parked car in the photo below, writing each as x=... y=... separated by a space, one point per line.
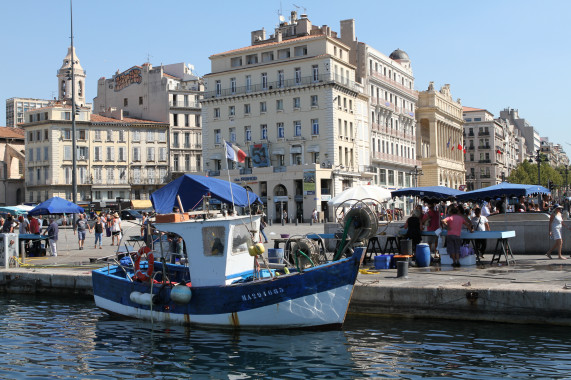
x=131 y=215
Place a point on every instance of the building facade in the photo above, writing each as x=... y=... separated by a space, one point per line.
x=12 y=152
x=532 y=138
x=116 y=157
x=439 y=138
x=16 y=107
x=169 y=94
x=292 y=104
x=493 y=148
x=389 y=82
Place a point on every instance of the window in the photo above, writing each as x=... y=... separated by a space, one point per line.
x=97 y=153
x=67 y=134
x=314 y=101
x=231 y=111
x=136 y=135
x=280 y=127
x=175 y=140
x=233 y=85
x=213 y=239
x=175 y=119
x=187 y=140
x=217 y=137
x=216 y=113
x=150 y=154
x=296 y=103
x=281 y=79
x=264 y=81
x=97 y=135
x=46 y=133
x=66 y=115
x=297 y=72
x=125 y=102
x=121 y=136
x=66 y=153
x=268 y=56
x=186 y=120
x=297 y=128
x=263 y=107
x=82 y=134
x=218 y=88
x=162 y=154
x=477 y=119
x=248 y=133
x=122 y=155
x=314 y=127
x=315 y=72
x=391 y=178
x=264 y=131
x=150 y=136
x=236 y=61
x=246 y=109
x=283 y=53
x=175 y=162
x=279 y=105
x=251 y=59
x=300 y=51
x=110 y=153
x=109 y=136
x=248 y=83
x=187 y=162
x=232 y=134
x=140 y=100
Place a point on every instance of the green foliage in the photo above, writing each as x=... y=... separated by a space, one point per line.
x=526 y=173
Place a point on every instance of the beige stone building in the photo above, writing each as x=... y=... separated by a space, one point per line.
x=167 y=93
x=12 y=165
x=115 y=156
x=439 y=137
x=292 y=104
x=493 y=148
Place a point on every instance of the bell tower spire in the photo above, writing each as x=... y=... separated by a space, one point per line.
x=64 y=79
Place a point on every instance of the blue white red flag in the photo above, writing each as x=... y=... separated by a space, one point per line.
x=234 y=153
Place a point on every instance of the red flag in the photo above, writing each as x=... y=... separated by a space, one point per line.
x=464 y=150
x=499 y=151
x=459 y=146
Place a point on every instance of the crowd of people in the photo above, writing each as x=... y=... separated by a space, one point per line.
x=454 y=217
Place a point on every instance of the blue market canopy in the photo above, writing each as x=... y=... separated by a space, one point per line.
x=502 y=189
x=56 y=205
x=428 y=192
x=16 y=210
x=191 y=188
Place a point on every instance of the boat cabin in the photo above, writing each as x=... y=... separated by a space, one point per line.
x=217 y=248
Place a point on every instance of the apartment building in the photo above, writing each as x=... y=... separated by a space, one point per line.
x=493 y=148
x=11 y=166
x=291 y=102
x=389 y=82
x=168 y=94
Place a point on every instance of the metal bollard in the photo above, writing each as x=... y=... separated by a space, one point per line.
x=402 y=269
x=296 y=221
x=283 y=222
x=270 y=222
x=311 y=222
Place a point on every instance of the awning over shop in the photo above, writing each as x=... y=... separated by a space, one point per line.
x=140 y=204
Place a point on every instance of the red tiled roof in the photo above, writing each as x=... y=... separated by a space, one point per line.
x=269 y=44
x=126 y=120
x=470 y=109
x=170 y=76
x=12 y=133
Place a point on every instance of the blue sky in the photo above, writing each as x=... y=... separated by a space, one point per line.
x=494 y=54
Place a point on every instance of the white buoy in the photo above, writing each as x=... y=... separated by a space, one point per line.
x=141 y=298
x=181 y=294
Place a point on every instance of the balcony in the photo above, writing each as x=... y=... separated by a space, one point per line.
x=183 y=104
x=214 y=173
x=396 y=159
x=245 y=170
x=484 y=147
x=280 y=169
x=488 y=161
x=394 y=83
x=471 y=147
x=484 y=133
x=278 y=85
x=485 y=176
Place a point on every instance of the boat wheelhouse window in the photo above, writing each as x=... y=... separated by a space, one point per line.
x=214 y=238
x=240 y=239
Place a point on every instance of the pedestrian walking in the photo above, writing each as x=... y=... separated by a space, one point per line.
x=480 y=223
x=314 y=216
x=98 y=229
x=555 y=225
x=81 y=227
x=116 y=229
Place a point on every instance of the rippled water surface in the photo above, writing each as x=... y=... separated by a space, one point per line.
x=55 y=338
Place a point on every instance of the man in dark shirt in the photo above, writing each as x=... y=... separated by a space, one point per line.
x=81 y=226
x=52 y=233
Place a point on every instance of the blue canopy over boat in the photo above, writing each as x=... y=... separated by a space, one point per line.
x=502 y=189
x=191 y=188
x=428 y=192
x=56 y=205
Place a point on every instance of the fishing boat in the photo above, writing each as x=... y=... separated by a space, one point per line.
x=226 y=281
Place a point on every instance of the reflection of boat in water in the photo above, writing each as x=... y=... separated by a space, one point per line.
x=230 y=287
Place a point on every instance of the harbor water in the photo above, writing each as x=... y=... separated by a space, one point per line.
x=64 y=338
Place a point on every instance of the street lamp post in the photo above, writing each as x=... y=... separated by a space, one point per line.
x=538 y=159
x=415 y=173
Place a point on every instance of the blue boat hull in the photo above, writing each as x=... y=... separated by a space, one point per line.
x=317 y=297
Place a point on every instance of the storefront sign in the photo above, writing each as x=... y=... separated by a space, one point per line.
x=326 y=198
x=245 y=179
x=282 y=198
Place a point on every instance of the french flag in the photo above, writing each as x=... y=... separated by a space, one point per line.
x=234 y=153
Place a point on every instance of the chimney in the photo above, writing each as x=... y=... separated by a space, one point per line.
x=258 y=35
x=303 y=26
x=348 y=31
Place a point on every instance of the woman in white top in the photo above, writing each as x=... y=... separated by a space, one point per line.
x=480 y=223
x=555 y=224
